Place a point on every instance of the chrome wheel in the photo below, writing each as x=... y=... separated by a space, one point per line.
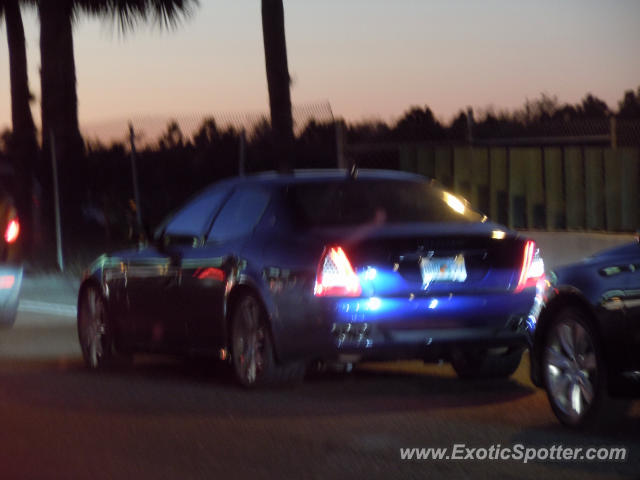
x=248 y=342
x=92 y=329
x=570 y=368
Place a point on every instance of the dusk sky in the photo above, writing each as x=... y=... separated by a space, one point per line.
x=368 y=58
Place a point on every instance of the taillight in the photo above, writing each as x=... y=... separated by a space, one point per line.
x=532 y=267
x=12 y=231
x=336 y=277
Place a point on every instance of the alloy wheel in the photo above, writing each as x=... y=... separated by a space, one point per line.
x=248 y=342
x=92 y=329
x=571 y=369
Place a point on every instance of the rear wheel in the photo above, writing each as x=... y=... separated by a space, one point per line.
x=252 y=352
x=95 y=333
x=486 y=364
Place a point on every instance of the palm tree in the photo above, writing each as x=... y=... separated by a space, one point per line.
x=58 y=71
x=59 y=106
x=278 y=81
x=58 y=78
x=23 y=146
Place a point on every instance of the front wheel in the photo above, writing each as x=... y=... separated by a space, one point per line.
x=252 y=351
x=95 y=333
x=573 y=369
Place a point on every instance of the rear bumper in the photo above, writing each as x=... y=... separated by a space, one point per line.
x=10 y=285
x=394 y=328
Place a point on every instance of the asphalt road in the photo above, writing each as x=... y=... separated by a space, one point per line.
x=171 y=419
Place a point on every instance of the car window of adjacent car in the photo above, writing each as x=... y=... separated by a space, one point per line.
x=240 y=214
x=194 y=218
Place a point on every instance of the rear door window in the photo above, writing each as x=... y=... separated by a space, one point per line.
x=194 y=218
x=240 y=214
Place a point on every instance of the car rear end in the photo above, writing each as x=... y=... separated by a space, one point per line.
x=408 y=270
x=10 y=263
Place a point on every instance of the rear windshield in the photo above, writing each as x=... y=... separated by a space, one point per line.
x=341 y=203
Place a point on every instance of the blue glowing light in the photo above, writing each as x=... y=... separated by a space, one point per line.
x=370 y=274
x=374 y=303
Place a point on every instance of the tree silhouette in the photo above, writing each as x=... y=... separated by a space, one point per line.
x=593 y=107
x=629 y=106
x=172 y=137
x=278 y=81
x=23 y=146
x=418 y=124
x=207 y=134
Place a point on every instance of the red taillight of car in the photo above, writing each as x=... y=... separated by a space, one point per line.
x=12 y=231
x=532 y=267
x=336 y=277
x=7 y=282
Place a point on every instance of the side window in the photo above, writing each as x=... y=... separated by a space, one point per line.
x=239 y=215
x=194 y=217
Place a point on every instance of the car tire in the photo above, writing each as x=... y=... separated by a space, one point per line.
x=96 y=334
x=573 y=371
x=252 y=354
x=484 y=364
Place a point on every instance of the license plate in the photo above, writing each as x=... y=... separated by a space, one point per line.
x=442 y=269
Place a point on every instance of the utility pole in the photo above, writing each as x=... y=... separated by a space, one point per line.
x=56 y=202
x=134 y=176
x=340 y=141
x=242 y=153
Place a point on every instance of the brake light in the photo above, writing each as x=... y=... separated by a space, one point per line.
x=7 y=282
x=336 y=276
x=12 y=231
x=532 y=267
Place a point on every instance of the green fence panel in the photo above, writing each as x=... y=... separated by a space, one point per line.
x=426 y=162
x=594 y=188
x=629 y=157
x=574 y=187
x=499 y=210
x=554 y=196
x=408 y=158
x=462 y=171
x=534 y=181
x=480 y=196
x=613 y=189
x=518 y=170
x=444 y=166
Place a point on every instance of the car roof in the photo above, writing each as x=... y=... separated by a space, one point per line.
x=320 y=175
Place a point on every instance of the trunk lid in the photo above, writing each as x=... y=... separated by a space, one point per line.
x=430 y=259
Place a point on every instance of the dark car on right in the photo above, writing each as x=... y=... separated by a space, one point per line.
x=586 y=342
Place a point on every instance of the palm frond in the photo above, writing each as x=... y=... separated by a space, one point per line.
x=127 y=14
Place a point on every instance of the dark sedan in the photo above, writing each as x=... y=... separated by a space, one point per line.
x=10 y=265
x=275 y=272
x=586 y=345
